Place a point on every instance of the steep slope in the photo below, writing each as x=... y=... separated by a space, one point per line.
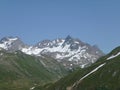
x=19 y=71
x=102 y=75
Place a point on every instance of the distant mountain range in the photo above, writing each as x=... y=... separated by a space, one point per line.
x=70 y=52
x=60 y=64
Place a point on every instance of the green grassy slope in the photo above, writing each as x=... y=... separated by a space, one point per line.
x=106 y=77
x=19 y=71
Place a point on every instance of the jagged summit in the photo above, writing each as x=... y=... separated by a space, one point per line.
x=68 y=38
x=69 y=51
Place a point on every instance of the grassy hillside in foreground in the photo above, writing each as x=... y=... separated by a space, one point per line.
x=107 y=77
x=19 y=71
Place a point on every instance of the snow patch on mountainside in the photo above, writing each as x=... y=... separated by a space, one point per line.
x=32 y=88
x=7 y=43
x=3 y=46
x=32 y=51
x=83 y=65
x=92 y=71
x=113 y=56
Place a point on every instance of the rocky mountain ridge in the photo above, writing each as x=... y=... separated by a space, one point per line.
x=69 y=51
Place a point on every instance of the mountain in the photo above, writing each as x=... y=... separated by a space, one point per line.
x=11 y=43
x=19 y=71
x=70 y=52
x=102 y=75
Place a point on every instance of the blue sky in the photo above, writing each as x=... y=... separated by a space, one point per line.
x=92 y=21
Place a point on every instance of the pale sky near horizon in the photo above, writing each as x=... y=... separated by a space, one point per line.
x=92 y=21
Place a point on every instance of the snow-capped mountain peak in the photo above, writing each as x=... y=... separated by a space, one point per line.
x=69 y=51
x=11 y=43
x=6 y=42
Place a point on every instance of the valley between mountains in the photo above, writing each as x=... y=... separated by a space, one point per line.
x=60 y=64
